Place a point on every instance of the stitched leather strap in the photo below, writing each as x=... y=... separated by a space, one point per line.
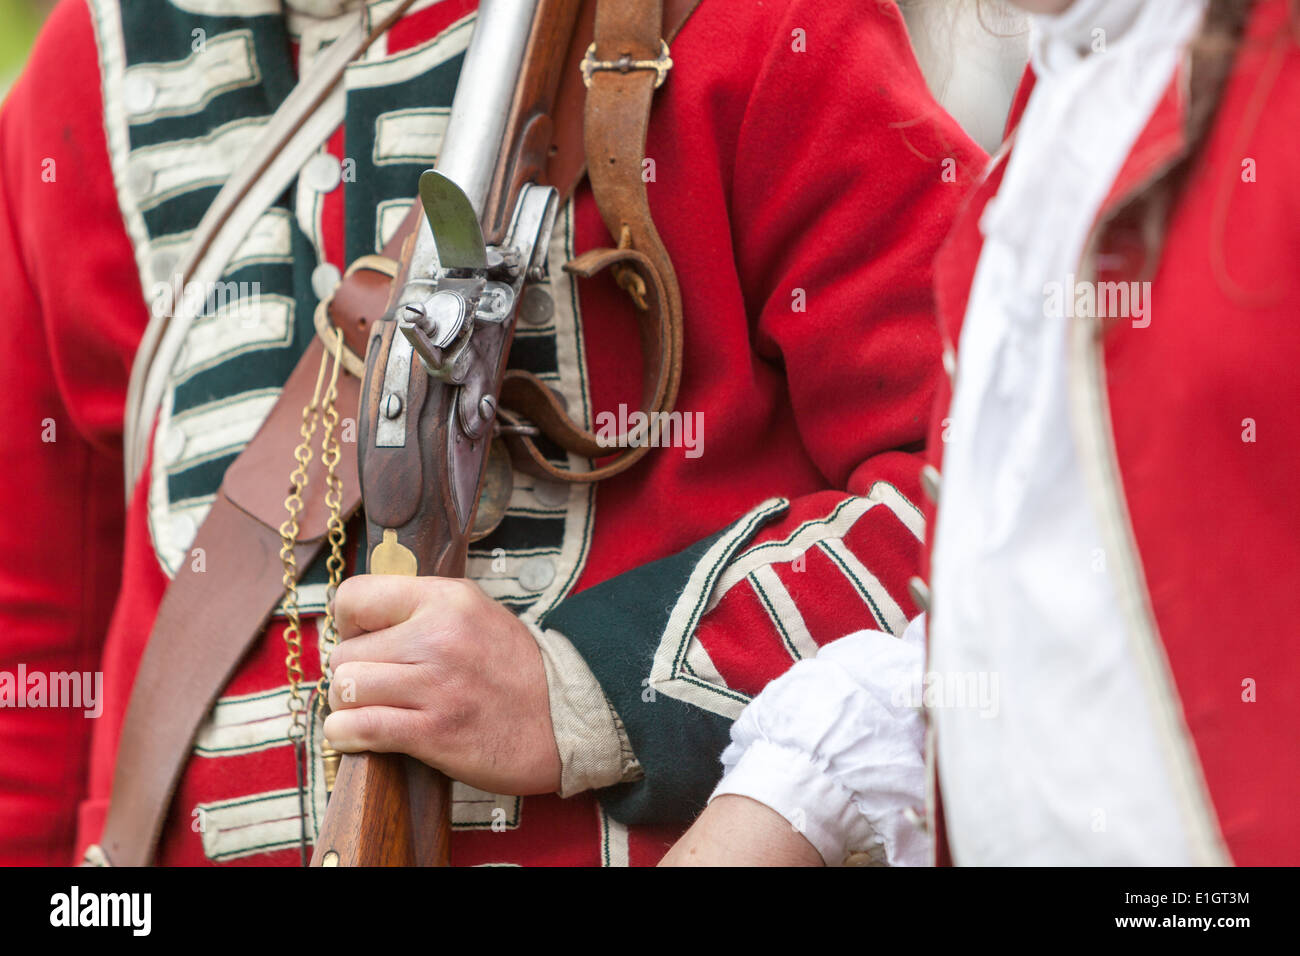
x=616 y=117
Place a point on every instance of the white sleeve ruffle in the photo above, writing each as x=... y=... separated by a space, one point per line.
x=836 y=745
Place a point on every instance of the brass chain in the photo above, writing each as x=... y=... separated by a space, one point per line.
x=289 y=530
x=330 y=454
x=337 y=533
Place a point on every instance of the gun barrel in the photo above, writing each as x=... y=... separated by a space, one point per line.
x=476 y=129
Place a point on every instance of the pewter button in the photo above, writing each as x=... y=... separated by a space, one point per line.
x=322 y=172
x=140 y=180
x=325 y=279
x=537 y=573
x=138 y=93
x=173 y=445
x=537 y=306
x=181 y=531
x=164 y=264
x=553 y=493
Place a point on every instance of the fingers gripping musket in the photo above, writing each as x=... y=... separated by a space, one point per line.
x=433 y=373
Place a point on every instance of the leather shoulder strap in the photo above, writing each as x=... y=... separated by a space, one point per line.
x=626 y=61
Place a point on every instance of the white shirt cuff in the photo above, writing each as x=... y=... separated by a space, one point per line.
x=836 y=746
x=594 y=748
x=814 y=802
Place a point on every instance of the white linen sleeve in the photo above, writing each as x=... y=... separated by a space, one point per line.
x=836 y=745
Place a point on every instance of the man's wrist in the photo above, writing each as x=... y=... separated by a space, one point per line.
x=811 y=801
x=735 y=830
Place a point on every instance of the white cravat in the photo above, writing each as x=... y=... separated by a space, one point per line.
x=1070 y=770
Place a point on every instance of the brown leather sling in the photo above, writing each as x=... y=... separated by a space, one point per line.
x=208 y=620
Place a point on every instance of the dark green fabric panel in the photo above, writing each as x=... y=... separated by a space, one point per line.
x=378 y=183
x=617 y=626
x=267 y=367
x=200 y=480
x=535 y=353
x=179 y=213
x=156 y=31
x=524 y=533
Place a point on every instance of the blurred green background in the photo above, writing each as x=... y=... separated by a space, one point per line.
x=19 y=22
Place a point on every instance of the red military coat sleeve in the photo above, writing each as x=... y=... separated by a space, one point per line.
x=835 y=230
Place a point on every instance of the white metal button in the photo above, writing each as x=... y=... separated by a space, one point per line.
x=552 y=493
x=138 y=93
x=322 y=173
x=173 y=445
x=164 y=264
x=537 y=573
x=536 y=307
x=325 y=279
x=181 y=530
x=139 y=180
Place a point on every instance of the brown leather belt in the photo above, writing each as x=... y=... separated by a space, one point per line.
x=207 y=622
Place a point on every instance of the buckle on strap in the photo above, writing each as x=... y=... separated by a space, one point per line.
x=625 y=64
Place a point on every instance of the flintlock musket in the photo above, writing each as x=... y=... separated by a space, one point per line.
x=434 y=368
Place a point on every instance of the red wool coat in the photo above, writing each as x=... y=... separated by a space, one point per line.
x=802 y=191
x=1195 y=424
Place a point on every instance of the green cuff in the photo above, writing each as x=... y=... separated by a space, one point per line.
x=634 y=631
